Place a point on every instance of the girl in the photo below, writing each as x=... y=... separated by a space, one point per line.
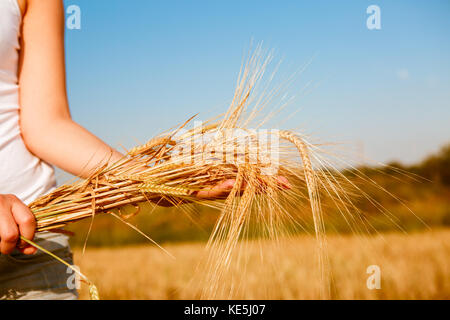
x=36 y=131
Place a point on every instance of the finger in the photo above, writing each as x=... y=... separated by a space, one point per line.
x=28 y=249
x=284 y=182
x=25 y=220
x=9 y=233
x=227 y=185
x=218 y=190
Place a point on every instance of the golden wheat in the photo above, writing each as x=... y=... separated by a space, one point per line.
x=158 y=170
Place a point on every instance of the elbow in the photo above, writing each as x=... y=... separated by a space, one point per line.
x=38 y=134
x=41 y=120
x=31 y=136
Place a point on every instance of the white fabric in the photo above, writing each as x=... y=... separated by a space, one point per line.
x=21 y=173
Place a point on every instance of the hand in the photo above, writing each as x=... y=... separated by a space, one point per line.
x=222 y=189
x=16 y=219
x=219 y=191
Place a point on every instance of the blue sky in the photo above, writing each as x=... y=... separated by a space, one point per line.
x=136 y=68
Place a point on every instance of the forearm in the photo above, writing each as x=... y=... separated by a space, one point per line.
x=67 y=145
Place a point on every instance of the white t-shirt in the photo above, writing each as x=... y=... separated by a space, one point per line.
x=21 y=173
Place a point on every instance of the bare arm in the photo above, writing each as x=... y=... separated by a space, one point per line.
x=47 y=127
x=46 y=124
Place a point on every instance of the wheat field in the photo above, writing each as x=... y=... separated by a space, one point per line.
x=413 y=266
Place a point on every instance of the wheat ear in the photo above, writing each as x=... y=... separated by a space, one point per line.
x=314 y=199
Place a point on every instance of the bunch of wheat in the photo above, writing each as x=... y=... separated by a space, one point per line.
x=176 y=165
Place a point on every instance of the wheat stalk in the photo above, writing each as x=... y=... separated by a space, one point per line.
x=150 y=187
x=155 y=171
